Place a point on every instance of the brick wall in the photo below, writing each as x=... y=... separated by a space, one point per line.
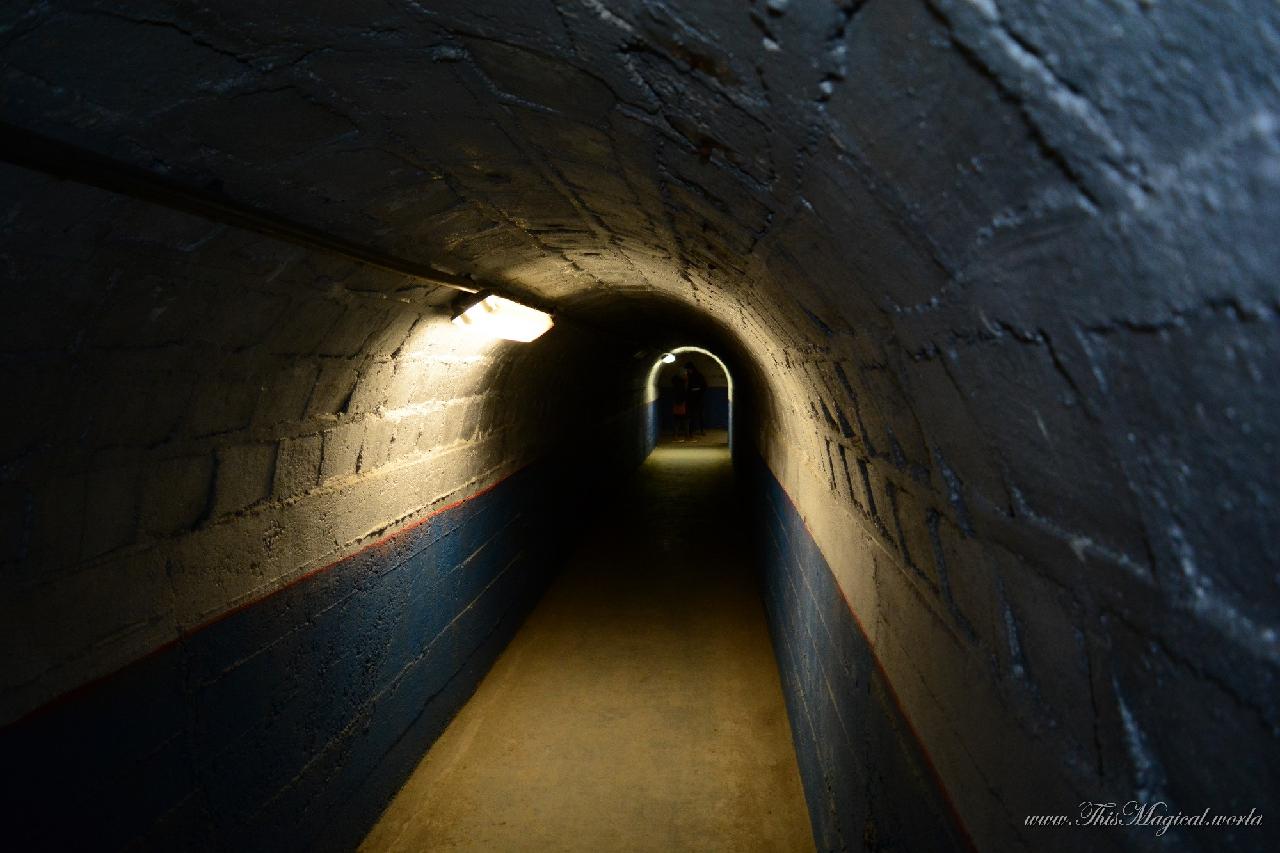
x=274 y=525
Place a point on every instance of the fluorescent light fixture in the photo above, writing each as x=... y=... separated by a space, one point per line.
x=668 y=358
x=496 y=317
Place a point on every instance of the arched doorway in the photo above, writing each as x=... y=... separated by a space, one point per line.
x=717 y=411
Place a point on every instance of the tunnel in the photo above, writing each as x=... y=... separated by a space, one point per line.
x=995 y=284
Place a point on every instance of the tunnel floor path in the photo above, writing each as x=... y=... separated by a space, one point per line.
x=639 y=706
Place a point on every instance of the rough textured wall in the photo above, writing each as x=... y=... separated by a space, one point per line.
x=1004 y=269
x=868 y=783
x=208 y=415
x=270 y=517
x=289 y=723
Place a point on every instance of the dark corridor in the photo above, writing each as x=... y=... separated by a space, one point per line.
x=323 y=326
x=638 y=708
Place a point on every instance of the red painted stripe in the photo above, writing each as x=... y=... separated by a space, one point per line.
x=888 y=683
x=75 y=693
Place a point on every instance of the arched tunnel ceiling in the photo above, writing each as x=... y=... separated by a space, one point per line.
x=875 y=155
x=963 y=203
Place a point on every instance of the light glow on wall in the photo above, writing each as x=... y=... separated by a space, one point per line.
x=651 y=385
x=496 y=317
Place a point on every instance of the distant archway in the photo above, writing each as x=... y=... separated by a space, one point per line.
x=719 y=402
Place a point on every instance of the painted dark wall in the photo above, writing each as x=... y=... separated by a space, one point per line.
x=867 y=781
x=290 y=723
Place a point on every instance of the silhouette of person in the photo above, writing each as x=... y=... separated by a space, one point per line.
x=680 y=405
x=697 y=385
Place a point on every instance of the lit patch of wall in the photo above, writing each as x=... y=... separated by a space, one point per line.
x=332 y=448
x=279 y=518
x=830 y=554
x=860 y=760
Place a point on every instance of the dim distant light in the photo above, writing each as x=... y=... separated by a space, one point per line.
x=497 y=317
x=668 y=358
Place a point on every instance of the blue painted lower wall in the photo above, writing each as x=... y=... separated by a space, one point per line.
x=651 y=430
x=868 y=783
x=289 y=724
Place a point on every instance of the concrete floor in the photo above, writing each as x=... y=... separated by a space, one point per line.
x=638 y=708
